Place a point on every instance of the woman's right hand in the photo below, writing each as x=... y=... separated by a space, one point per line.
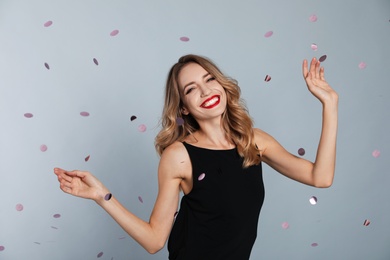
x=81 y=184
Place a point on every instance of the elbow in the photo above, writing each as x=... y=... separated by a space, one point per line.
x=155 y=248
x=324 y=184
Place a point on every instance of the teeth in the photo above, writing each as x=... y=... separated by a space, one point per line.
x=211 y=102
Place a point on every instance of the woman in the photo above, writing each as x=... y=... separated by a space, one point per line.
x=214 y=158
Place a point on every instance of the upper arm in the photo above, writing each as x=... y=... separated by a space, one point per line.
x=277 y=157
x=169 y=178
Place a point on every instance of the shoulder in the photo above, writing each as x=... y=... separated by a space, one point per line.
x=262 y=139
x=174 y=159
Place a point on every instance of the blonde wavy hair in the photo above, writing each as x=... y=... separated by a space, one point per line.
x=236 y=122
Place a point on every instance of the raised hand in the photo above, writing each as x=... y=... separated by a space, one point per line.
x=316 y=83
x=81 y=184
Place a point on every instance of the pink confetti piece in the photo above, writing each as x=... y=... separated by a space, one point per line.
x=132 y=118
x=56 y=215
x=201 y=177
x=314 y=244
x=95 y=61
x=285 y=225
x=28 y=115
x=47 y=65
x=366 y=222
x=314 y=47
x=140 y=199
x=48 y=23
x=87 y=158
x=184 y=39
x=100 y=255
x=19 y=207
x=313 y=18
x=267 y=78
x=43 y=148
x=142 y=128
x=84 y=113
x=268 y=34
x=114 y=33
x=322 y=58
x=313 y=200
x=362 y=65
x=179 y=121
x=2 y=248
x=301 y=151
x=376 y=153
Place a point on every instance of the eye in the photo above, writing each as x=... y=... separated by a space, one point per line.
x=188 y=90
x=210 y=79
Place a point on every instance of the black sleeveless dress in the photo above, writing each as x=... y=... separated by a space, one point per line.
x=218 y=218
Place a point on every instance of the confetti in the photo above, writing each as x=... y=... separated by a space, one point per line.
x=201 y=177
x=19 y=207
x=285 y=225
x=2 y=248
x=313 y=200
x=313 y=18
x=142 y=128
x=43 y=148
x=56 y=215
x=301 y=151
x=114 y=33
x=184 y=39
x=376 y=153
x=132 y=118
x=108 y=196
x=28 y=115
x=322 y=58
x=362 y=65
x=84 y=113
x=140 y=199
x=100 y=255
x=47 y=66
x=37 y=243
x=314 y=47
x=53 y=227
x=87 y=158
x=48 y=23
x=95 y=61
x=366 y=222
x=314 y=244
x=268 y=34
x=267 y=78
x=179 y=121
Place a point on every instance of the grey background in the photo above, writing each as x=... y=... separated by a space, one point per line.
x=129 y=80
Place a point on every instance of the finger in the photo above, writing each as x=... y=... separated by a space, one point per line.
x=318 y=68
x=322 y=74
x=304 y=69
x=313 y=64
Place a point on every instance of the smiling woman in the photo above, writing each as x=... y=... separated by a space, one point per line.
x=214 y=157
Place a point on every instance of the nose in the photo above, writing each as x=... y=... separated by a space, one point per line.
x=205 y=91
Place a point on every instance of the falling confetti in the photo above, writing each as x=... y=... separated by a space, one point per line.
x=95 y=61
x=100 y=255
x=47 y=65
x=132 y=118
x=19 y=207
x=285 y=225
x=53 y=227
x=37 y=243
x=201 y=177
x=142 y=128
x=314 y=47
x=313 y=200
x=301 y=151
x=2 y=248
x=48 y=23
x=179 y=121
x=114 y=33
x=108 y=196
x=366 y=222
x=322 y=58
x=362 y=65
x=56 y=215
x=314 y=244
x=43 y=148
x=84 y=113
x=376 y=153
x=121 y=238
x=267 y=78
x=268 y=34
x=28 y=115
x=184 y=39
x=313 y=18
x=140 y=199
x=87 y=158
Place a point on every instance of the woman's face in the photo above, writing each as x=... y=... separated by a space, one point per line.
x=202 y=95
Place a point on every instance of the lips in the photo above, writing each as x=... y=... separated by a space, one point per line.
x=211 y=102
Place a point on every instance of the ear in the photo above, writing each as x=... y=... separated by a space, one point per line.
x=184 y=111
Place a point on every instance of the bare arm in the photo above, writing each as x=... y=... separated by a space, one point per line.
x=321 y=172
x=151 y=235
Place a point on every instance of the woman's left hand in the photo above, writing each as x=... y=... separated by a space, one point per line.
x=316 y=83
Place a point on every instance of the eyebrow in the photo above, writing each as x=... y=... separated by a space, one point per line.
x=192 y=82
